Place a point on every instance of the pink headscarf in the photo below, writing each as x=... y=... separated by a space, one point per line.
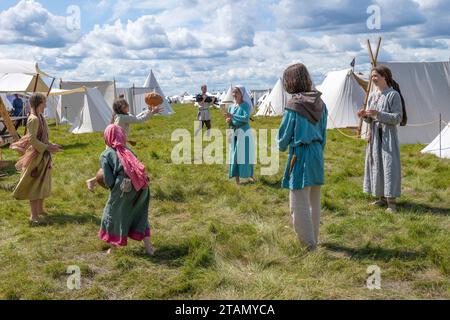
x=115 y=138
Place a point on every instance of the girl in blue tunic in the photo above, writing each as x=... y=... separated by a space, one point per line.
x=303 y=130
x=242 y=148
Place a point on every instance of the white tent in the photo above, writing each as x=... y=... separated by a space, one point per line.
x=20 y=67
x=426 y=89
x=273 y=105
x=440 y=146
x=71 y=104
x=21 y=76
x=21 y=83
x=151 y=84
x=343 y=97
x=95 y=114
x=187 y=98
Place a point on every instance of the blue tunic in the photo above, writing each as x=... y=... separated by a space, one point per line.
x=242 y=147
x=307 y=141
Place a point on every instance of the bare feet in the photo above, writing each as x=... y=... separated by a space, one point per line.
x=253 y=179
x=150 y=250
x=110 y=250
x=90 y=184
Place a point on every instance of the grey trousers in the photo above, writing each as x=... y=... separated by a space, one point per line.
x=305 y=210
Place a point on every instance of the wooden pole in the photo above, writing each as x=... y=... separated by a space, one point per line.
x=7 y=121
x=50 y=88
x=373 y=61
x=440 y=135
x=36 y=83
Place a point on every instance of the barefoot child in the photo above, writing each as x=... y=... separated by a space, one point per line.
x=126 y=212
x=123 y=118
x=36 y=160
x=303 y=130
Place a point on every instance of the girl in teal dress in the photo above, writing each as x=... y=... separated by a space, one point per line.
x=303 y=130
x=242 y=147
x=126 y=212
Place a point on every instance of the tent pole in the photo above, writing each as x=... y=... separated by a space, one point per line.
x=440 y=135
x=50 y=88
x=373 y=61
x=36 y=83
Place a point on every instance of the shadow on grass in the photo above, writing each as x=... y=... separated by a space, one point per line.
x=271 y=184
x=78 y=145
x=422 y=208
x=375 y=253
x=169 y=255
x=65 y=219
x=7 y=168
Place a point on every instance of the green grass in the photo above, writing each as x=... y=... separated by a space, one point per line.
x=219 y=241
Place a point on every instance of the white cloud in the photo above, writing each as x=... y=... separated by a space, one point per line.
x=30 y=23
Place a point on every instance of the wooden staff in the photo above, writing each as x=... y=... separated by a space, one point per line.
x=373 y=61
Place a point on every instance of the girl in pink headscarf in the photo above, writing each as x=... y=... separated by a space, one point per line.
x=126 y=212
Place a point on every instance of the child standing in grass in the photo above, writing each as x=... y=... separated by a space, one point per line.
x=126 y=212
x=303 y=130
x=36 y=160
x=383 y=176
x=123 y=118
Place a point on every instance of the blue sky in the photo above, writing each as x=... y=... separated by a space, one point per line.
x=189 y=42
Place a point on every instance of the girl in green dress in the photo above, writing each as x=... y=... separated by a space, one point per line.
x=126 y=212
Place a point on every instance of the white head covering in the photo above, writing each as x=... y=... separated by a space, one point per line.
x=245 y=96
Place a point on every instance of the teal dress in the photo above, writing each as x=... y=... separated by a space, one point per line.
x=307 y=141
x=126 y=213
x=242 y=146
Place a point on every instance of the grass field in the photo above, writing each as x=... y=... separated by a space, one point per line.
x=216 y=240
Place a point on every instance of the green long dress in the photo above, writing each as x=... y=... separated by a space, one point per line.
x=126 y=213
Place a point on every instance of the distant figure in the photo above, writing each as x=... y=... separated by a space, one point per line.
x=383 y=176
x=17 y=106
x=121 y=96
x=203 y=116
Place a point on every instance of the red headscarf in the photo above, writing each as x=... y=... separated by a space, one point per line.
x=115 y=138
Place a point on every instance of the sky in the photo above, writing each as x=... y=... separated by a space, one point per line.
x=221 y=42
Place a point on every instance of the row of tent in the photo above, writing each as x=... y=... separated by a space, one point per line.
x=87 y=106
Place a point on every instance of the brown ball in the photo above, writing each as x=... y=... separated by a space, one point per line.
x=100 y=178
x=152 y=99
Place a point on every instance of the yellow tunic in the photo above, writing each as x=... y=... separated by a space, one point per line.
x=39 y=186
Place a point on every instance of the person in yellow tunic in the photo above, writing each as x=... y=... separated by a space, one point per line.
x=36 y=160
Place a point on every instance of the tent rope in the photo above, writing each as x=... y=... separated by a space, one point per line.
x=422 y=124
x=358 y=137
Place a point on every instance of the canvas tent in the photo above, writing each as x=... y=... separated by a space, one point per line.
x=95 y=115
x=343 y=96
x=71 y=104
x=426 y=89
x=274 y=103
x=257 y=95
x=151 y=84
x=440 y=146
